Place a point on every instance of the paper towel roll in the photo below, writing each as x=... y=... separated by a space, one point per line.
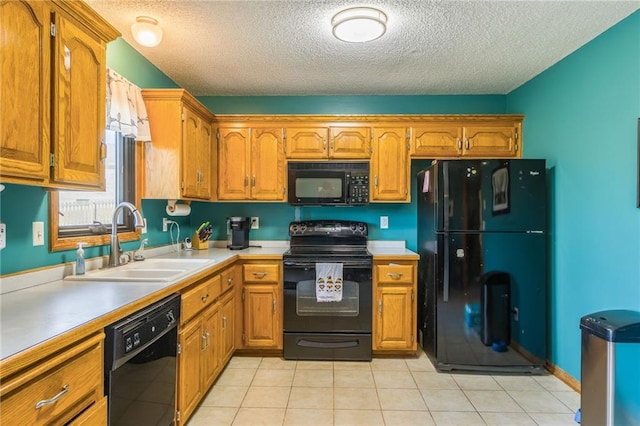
x=179 y=210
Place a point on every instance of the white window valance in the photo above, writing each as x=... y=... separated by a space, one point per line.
x=126 y=112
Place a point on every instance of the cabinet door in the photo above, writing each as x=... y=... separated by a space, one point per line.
x=190 y=154
x=211 y=357
x=394 y=319
x=24 y=89
x=350 y=142
x=390 y=164
x=267 y=164
x=260 y=316
x=307 y=142
x=79 y=93
x=436 y=140
x=495 y=140
x=205 y=149
x=233 y=163
x=227 y=327
x=190 y=368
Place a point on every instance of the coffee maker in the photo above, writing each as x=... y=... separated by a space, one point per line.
x=238 y=232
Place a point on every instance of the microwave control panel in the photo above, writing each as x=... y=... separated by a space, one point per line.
x=359 y=186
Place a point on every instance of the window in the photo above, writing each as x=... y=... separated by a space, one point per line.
x=86 y=216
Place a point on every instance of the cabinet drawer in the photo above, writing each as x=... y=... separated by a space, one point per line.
x=227 y=279
x=395 y=273
x=96 y=415
x=199 y=297
x=58 y=389
x=260 y=273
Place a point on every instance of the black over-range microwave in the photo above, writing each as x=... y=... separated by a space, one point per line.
x=328 y=183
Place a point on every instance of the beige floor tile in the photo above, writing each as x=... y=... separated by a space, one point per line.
x=407 y=418
x=276 y=363
x=353 y=379
x=394 y=379
x=259 y=416
x=496 y=401
x=307 y=417
x=358 y=418
x=355 y=399
x=225 y=396
x=420 y=364
x=446 y=400
x=352 y=365
x=508 y=419
x=212 y=416
x=267 y=397
x=244 y=362
x=549 y=419
x=475 y=382
x=401 y=399
x=429 y=380
x=456 y=418
x=389 y=364
x=266 y=377
x=552 y=383
x=571 y=399
x=539 y=402
x=518 y=383
x=304 y=397
x=313 y=378
x=236 y=377
x=314 y=365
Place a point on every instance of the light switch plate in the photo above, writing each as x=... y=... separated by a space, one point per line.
x=384 y=222
x=38 y=233
x=3 y=236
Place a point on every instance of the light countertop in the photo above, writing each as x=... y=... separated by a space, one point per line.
x=30 y=316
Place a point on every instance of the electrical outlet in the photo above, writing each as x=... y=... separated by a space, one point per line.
x=255 y=222
x=384 y=222
x=3 y=236
x=165 y=224
x=38 y=233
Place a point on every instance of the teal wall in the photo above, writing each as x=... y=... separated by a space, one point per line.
x=582 y=116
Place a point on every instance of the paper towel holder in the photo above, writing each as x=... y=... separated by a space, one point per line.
x=172 y=206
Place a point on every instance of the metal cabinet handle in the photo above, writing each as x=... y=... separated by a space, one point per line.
x=260 y=274
x=466 y=143
x=208 y=338
x=459 y=144
x=204 y=298
x=324 y=144
x=44 y=402
x=204 y=342
x=229 y=281
x=274 y=306
x=380 y=306
x=375 y=181
x=224 y=321
x=246 y=180
x=253 y=181
x=394 y=275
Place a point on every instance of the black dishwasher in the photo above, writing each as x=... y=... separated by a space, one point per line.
x=140 y=365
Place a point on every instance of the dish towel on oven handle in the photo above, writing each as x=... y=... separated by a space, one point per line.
x=329 y=282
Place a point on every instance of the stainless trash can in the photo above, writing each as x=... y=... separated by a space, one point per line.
x=610 y=371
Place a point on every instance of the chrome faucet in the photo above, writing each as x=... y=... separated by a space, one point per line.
x=138 y=222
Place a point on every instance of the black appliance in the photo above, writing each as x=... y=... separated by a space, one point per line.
x=323 y=183
x=238 y=232
x=140 y=365
x=338 y=330
x=482 y=277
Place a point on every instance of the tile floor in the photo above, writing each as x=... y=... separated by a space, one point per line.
x=272 y=391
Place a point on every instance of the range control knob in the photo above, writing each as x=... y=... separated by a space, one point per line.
x=353 y=227
x=170 y=317
x=361 y=227
x=294 y=228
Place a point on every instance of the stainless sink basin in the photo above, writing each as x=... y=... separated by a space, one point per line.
x=155 y=269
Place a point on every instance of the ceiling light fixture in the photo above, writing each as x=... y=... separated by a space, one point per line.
x=146 y=31
x=359 y=24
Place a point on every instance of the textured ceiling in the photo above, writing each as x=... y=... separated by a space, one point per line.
x=430 y=47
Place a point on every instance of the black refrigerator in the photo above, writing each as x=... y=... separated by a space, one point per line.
x=482 y=277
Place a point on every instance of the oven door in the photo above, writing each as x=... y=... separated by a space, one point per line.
x=303 y=312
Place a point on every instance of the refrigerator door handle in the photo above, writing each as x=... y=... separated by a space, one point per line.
x=445 y=198
x=445 y=289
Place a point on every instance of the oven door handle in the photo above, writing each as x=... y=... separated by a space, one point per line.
x=312 y=265
x=327 y=345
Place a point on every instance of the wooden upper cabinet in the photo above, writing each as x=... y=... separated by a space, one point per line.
x=251 y=163
x=390 y=166
x=349 y=142
x=497 y=140
x=307 y=142
x=467 y=137
x=179 y=157
x=52 y=106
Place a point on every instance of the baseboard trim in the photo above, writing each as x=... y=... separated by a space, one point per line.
x=563 y=375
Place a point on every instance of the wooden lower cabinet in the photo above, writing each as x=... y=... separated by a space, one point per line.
x=190 y=369
x=56 y=389
x=395 y=307
x=227 y=328
x=96 y=415
x=262 y=325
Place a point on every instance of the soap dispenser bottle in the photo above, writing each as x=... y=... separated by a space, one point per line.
x=80 y=259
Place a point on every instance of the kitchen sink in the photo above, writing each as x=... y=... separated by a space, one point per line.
x=155 y=269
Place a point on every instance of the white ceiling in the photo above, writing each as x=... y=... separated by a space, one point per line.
x=285 y=47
